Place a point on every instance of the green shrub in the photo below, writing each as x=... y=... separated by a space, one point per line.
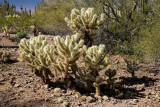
x=18 y=36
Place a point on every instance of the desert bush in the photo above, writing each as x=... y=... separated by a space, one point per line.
x=19 y=35
x=147 y=46
x=4 y=56
x=50 y=16
x=18 y=22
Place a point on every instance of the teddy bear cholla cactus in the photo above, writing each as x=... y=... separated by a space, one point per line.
x=95 y=61
x=68 y=52
x=85 y=20
x=132 y=66
x=33 y=51
x=6 y=30
x=111 y=81
x=4 y=56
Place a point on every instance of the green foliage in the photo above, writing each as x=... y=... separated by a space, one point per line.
x=17 y=22
x=147 y=46
x=50 y=17
x=126 y=19
x=132 y=66
x=18 y=36
x=4 y=56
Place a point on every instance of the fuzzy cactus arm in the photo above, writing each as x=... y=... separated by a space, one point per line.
x=95 y=57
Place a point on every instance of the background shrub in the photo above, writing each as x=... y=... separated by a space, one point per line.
x=18 y=36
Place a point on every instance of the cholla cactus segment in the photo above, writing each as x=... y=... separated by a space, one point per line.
x=5 y=56
x=34 y=51
x=12 y=16
x=6 y=30
x=110 y=73
x=131 y=67
x=95 y=57
x=69 y=49
x=84 y=18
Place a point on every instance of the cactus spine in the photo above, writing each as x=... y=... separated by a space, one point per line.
x=85 y=21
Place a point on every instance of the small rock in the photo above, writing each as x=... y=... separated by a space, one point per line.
x=69 y=93
x=57 y=90
x=114 y=101
x=90 y=99
x=21 y=90
x=2 y=79
x=17 y=85
x=82 y=98
x=79 y=104
x=135 y=100
x=149 y=93
x=44 y=86
x=147 y=97
x=65 y=104
x=78 y=94
x=153 y=93
x=63 y=91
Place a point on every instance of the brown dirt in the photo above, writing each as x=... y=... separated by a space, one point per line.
x=21 y=88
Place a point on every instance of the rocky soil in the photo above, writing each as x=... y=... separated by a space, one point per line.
x=21 y=88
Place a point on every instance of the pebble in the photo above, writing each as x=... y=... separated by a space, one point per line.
x=44 y=87
x=21 y=90
x=2 y=79
x=135 y=100
x=63 y=91
x=65 y=104
x=90 y=99
x=17 y=85
x=114 y=101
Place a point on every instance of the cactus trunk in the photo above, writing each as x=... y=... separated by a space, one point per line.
x=88 y=41
x=97 y=87
x=133 y=74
